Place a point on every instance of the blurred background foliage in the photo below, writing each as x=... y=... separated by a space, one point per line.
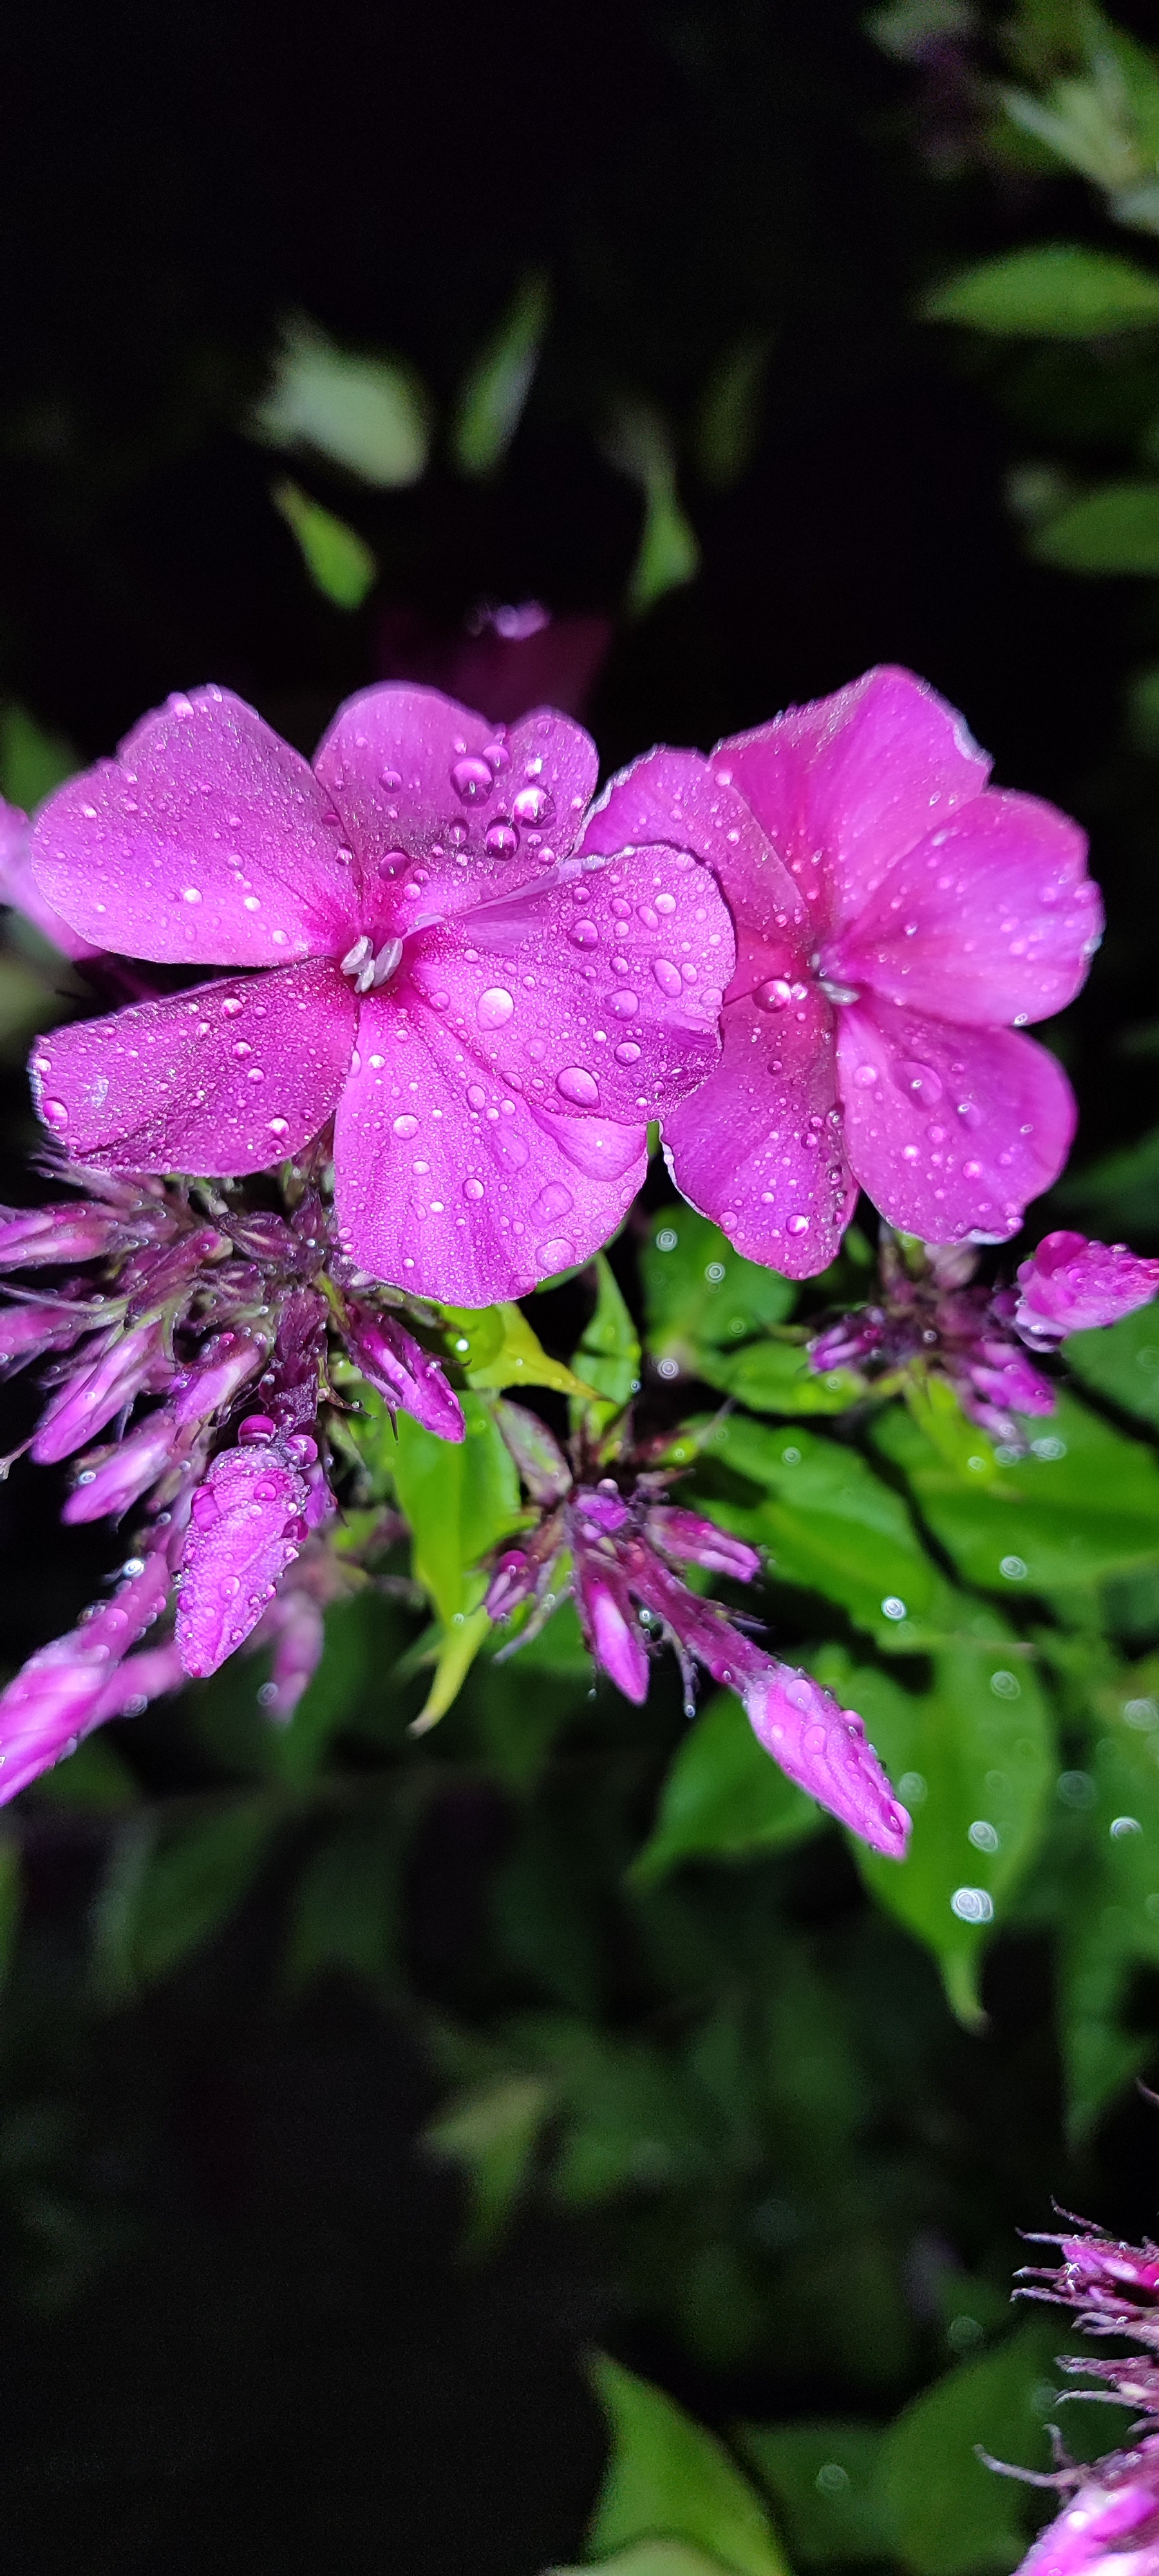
x=362 y=2092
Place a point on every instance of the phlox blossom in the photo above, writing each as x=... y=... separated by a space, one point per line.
x=898 y=922
x=489 y=1003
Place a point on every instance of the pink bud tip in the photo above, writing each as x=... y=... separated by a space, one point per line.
x=1070 y=1285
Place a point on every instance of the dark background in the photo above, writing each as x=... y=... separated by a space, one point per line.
x=276 y=2359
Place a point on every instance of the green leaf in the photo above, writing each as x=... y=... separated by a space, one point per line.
x=934 y=1403
x=700 y=1294
x=609 y=1354
x=651 y=2558
x=775 y=1377
x=668 y=2475
x=346 y=1905
x=727 y=428
x=1121 y=1361
x=832 y=1526
x=640 y=446
x=723 y=1799
x=1110 y=1925
x=824 y=2478
x=168 y=1887
x=1060 y=291
x=32 y=759
x=338 y=561
x=1085 y=1507
x=497 y=1348
x=973 y=1759
x=1121 y=1191
x=493 y=2132
x=93 y=1778
x=1112 y=530
x=951 y=2515
x=494 y=393
x=460 y=1498
x=366 y=414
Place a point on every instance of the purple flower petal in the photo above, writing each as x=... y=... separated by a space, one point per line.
x=951 y=1130
x=692 y=1540
x=402 y=1371
x=823 y=1747
x=678 y=798
x=228 y=1078
x=991 y=918
x=843 y=787
x=417 y=778
x=242 y=1536
x=599 y=997
x=293 y=1627
x=1070 y=1285
x=610 y=1626
x=108 y=1384
x=19 y=888
x=208 y=840
x=759 y=1149
x=1100 y=2520
x=451 y=1185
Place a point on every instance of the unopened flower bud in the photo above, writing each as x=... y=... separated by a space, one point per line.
x=30 y=1238
x=124 y=1472
x=84 y=1405
x=61 y=1691
x=695 y=1541
x=511 y=1582
x=1070 y=1285
x=221 y=1370
x=402 y=1372
x=237 y=1548
x=293 y=1627
x=610 y=1625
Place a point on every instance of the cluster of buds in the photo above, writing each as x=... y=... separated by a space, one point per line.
x=614 y=1544
x=189 y=1368
x=932 y=1313
x=1111 y=2514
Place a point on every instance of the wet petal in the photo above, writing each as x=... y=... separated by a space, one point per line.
x=229 y=1078
x=1070 y=1284
x=843 y=787
x=18 y=886
x=452 y=1185
x=480 y=809
x=951 y=1130
x=208 y=841
x=247 y=1519
x=676 y=797
x=824 y=1748
x=600 y=997
x=759 y=1149
x=990 y=919
x=610 y=1624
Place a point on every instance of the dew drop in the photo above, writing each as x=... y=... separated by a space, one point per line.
x=472 y=781
x=624 y=1005
x=54 y=1113
x=668 y=977
x=501 y=841
x=585 y=934
x=650 y=919
x=578 y=1085
x=556 y=1254
x=494 y=1007
x=476 y=1097
x=552 y=1202
x=191 y=894
x=775 y=995
x=665 y=903
x=472 y=1188
x=865 y=1076
x=628 y=1052
x=406 y=1126
x=921 y=1080
x=798 y=1225
x=533 y=805
x=278 y=1126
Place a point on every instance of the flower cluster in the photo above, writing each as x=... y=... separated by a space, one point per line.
x=188 y=1356
x=1111 y=2516
x=613 y=1543
x=930 y=1314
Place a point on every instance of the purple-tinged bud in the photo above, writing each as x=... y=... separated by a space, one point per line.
x=144 y=1677
x=33 y=1237
x=599 y=1511
x=539 y=1458
x=120 y=1475
x=162 y=1276
x=246 y=1522
x=85 y=1403
x=402 y=1372
x=217 y=1376
x=1070 y=1285
x=293 y=1627
x=1112 y=2519
x=610 y=1625
x=693 y=1541
x=60 y=1692
x=1002 y=1375
x=823 y=1747
x=512 y=1581
x=26 y=1332
x=845 y=1344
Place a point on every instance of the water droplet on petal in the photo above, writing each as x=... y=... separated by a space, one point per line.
x=472 y=780
x=191 y=894
x=624 y=1005
x=578 y=1085
x=556 y=1254
x=472 y=1189
x=668 y=977
x=533 y=805
x=665 y=903
x=628 y=1052
x=865 y=1076
x=921 y=1080
x=798 y=1225
x=494 y=1008
x=585 y=934
x=406 y=1126
x=501 y=841
x=476 y=1096
x=554 y=1201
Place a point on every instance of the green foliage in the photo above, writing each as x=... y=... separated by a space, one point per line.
x=950 y=2514
x=339 y=563
x=1122 y=1190
x=668 y=555
x=609 y=1356
x=496 y=1347
x=1059 y=292
x=699 y=1295
x=667 y=2475
x=493 y=2132
x=1112 y=530
x=1121 y=1362
x=33 y=760
x=460 y=1499
x=723 y=1798
x=344 y=1917
x=365 y=414
x=824 y=2478
x=727 y=427
x=496 y=389
x=1084 y=1507
x=169 y=1886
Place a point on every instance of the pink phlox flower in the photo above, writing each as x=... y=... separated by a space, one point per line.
x=898 y=924
x=1070 y=1285
x=19 y=889
x=440 y=951
x=615 y=1545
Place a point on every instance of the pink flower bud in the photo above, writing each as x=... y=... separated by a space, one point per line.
x=1113 y=2517
x=35 y=1236
x=293 y=1627
x=86 y=1402
x=221 y=1370
x=845 y=1344
x=512 y=1581
x=823 y=1747
x=243 y=1533
x=28 y=1331
x=1069 y=1285
x=402 y=1372
x=124 y=1472
x=694 y=1541
x=61 y=1691
x=610 y=1626
x=537 y=1455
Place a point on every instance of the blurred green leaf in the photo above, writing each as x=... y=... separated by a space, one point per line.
x=775 y=1377
x=94 y=1777
x=496 y=388
x=493 y=2132
x=1110 y=1924
x=1087 y=1506
x=667 y=2474
x=951 y=2515
x=33 y=760
x=1060 y=291
x=366 y=414
x=608 y=1354
x=1121 y=1361
x=168 y=1886
x=339 y=562
x=832 y=1526
x=727 y=427
x=1112 y=530
x=823 y=2477
x=651 y=2558
x=460 y=1499
x=639 y=445
x=346 y=1905
x=503 y=1351
x=935 y=1406
x=700 y=1294
x=723 y=1799
x=973 y=1759
x=1122 y=1190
